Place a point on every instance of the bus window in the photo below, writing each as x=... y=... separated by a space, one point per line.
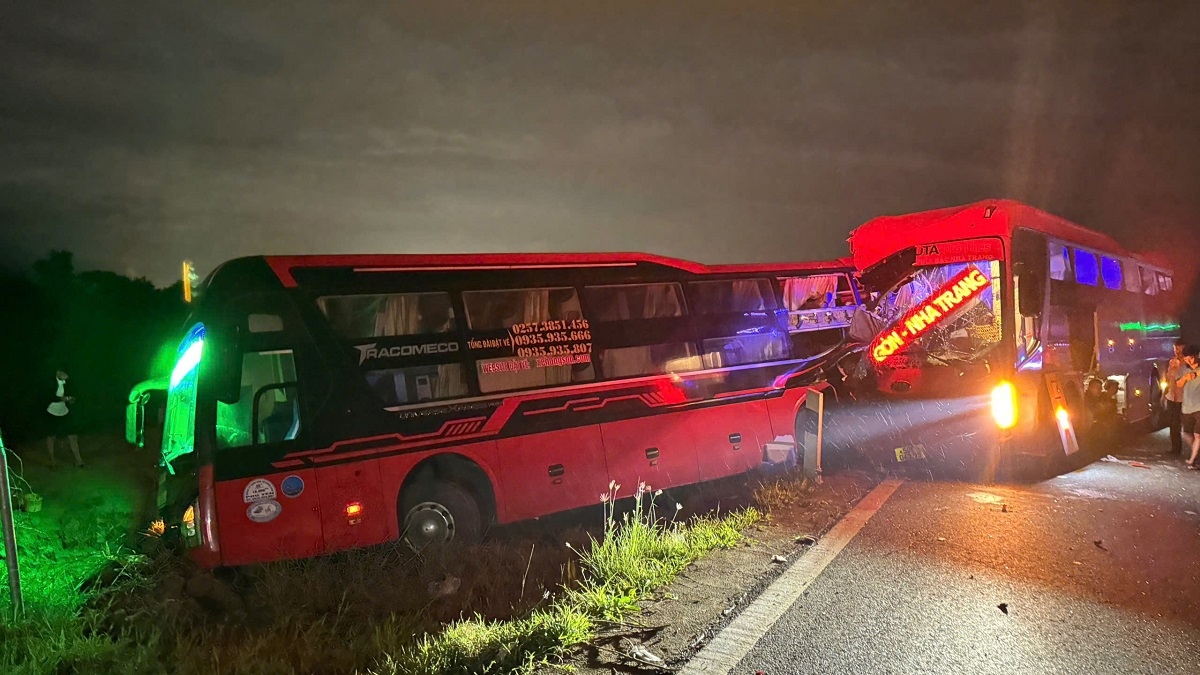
x=366 y=316
x=495 y=310
x=740 y=349
x=1164 y=283
x=730 y=297
x=634 y=301
x=1060 y=261
x=1110 y=271
x=1133 y=278
x=267 y=409
x=1149 y=281
x=648 y=360
x=819 y=291
x=543 y=354
x=402 y=386
x=1087 y=271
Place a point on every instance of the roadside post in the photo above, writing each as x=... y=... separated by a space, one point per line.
x=10 y=535
x=813 y=433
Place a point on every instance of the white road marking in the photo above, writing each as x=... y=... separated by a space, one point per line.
x=731 y=645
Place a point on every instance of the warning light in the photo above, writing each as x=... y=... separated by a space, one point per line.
x=354 y=509
x=1004 y=405
x=943 y=302
x=1063 y=417
x=1163 y=385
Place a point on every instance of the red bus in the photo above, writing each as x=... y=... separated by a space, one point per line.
x=989 y=321
x=320 y=403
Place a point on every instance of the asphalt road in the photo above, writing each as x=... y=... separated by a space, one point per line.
x=1099 y=571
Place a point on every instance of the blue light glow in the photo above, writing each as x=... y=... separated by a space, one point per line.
x=1110 y=269
x=1087 y=272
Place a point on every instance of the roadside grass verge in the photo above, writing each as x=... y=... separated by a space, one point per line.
x=514 y=605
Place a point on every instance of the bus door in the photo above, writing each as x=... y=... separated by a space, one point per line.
x=264 y=514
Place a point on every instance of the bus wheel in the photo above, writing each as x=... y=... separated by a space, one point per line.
x=440 y=512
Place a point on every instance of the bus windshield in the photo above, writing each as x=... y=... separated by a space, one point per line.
x=941 y=314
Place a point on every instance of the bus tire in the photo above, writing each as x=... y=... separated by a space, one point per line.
x=437 y=513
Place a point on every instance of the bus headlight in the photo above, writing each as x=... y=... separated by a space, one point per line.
x=1004 y=405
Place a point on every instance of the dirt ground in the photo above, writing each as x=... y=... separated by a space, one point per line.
x=85 y=513
x=697 y=605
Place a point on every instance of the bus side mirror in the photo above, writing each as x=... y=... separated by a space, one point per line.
x=227 y=364
x=1031 y=291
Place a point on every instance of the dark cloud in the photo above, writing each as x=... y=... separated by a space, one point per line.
x=138 y=133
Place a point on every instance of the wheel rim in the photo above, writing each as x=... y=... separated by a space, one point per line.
x=428 y=523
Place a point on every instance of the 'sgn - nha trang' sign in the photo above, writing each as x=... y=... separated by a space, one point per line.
x=920 y=319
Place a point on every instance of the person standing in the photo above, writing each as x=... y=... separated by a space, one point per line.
x=1173 y=398
x=61 y=421
x=1189 y=382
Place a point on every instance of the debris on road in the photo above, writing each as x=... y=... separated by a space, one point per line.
x=1139 y=465
x=805 y=539
x=639 y=654
x=778 y=559
x=444 y=588
x=1099 y=544
x=1004 y=508
x=941 y=539
x=1190 y=513
x=1003 y=607
x=1110 y=458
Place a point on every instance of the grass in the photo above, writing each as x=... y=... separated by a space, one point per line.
x=373 y=611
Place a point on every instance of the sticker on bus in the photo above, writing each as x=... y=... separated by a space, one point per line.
x=257 y=490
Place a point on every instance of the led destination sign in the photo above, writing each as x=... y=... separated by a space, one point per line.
x=957 y=292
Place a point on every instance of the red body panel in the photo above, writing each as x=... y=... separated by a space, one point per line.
x=295 y=532
x=880 y=237
x=659 y=451
x=782 y=412
x=525 y=468
x=208 y=554
x=719 y=450
x=356 y=483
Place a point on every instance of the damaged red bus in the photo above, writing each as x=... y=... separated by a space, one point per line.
x=320 y=403
x=988 y=323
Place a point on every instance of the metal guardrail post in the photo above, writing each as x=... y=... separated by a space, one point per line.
x=10 y=535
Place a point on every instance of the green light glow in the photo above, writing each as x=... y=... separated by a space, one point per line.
x=1153 y=327
x=179 y=432
x=187 y=362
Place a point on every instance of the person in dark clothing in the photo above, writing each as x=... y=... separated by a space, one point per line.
x=1173 y=398
x=61 y=421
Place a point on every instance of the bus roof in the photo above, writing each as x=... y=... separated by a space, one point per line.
x=880 y=237
x=284 y=265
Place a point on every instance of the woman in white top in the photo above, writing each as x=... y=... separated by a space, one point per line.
x=61 y=421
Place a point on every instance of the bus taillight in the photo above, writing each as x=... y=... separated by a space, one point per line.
x=1004 y=405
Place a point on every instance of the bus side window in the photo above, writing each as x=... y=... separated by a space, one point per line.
x=387 y=315
x=758 y=340
x=532 y=364
x=1149 y=281
x=1060 y=261
x=267 y=409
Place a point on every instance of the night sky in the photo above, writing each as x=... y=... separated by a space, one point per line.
x=137 y=134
